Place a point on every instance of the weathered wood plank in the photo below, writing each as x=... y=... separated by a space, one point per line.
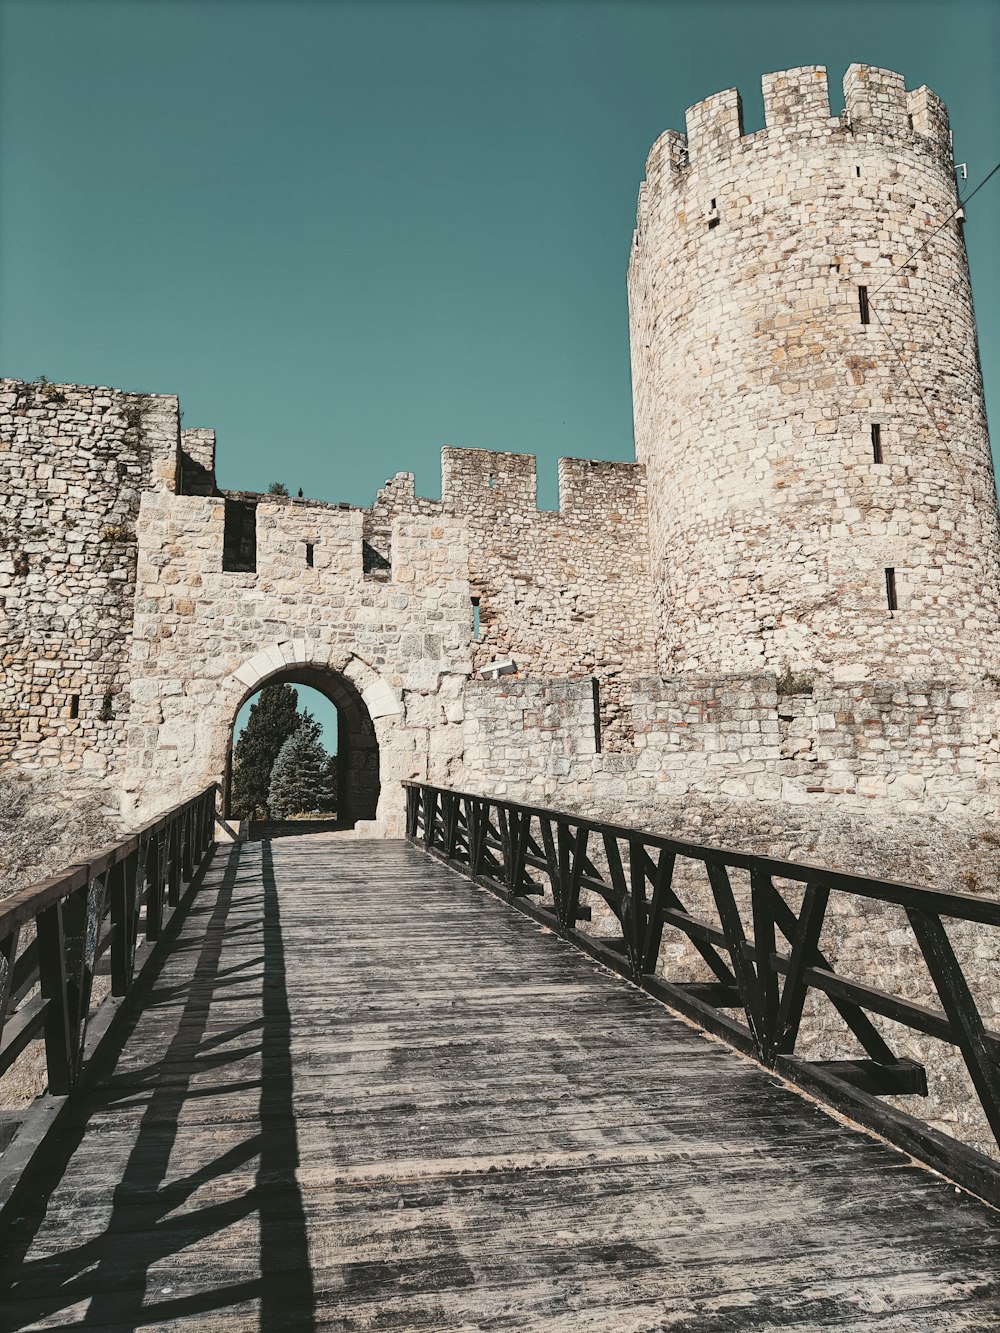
x=363 y=1092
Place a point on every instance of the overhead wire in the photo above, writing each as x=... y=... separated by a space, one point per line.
x=961 y=204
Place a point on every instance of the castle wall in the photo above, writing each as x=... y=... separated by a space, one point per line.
x=880 y=750
x=564 y=594
x=206 y=638
x=756 y=387
x=74 y=462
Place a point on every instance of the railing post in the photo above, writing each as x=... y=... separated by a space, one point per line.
x=430 y=811
x=412 y=798
x=121 y=886
x=517 y=846
x=477 y=834
x=564 y=845
x=52 y=980
x=638 y=917
x=187 y=848
x=8 y=955
x=761 y=891
x=450 y=803
x=154 y=887
x=175 y=860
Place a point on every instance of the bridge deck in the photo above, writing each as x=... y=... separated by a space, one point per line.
x=368 y=1095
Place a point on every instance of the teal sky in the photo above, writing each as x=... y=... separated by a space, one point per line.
x=347 y=234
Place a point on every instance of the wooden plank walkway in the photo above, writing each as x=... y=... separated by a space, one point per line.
x=367 y=1095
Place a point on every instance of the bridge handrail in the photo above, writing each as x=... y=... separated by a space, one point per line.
x=519 y=850
x=22 y=906
x=58 y=934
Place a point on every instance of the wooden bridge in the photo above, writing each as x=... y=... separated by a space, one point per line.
x=344 y=1086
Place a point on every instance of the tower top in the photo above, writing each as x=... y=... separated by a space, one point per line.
x=797 y=102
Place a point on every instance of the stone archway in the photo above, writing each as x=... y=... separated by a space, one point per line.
x=358 y=783
x=366 y=706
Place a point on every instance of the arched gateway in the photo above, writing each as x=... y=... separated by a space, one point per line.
x=358 y=783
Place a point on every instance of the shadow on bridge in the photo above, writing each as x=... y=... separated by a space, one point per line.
x=164 y=1249
x=267 y=830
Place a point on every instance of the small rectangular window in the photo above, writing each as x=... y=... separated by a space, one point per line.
x=239 y=537
x=309 y=554
x=890 y=589
x=876 y=442
x=857 y=172
x=863 y=305
x=476 y=629
x=74 y=705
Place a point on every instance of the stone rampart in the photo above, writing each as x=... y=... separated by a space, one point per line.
x=563 y=593
x=74 y=462
x=875 y=750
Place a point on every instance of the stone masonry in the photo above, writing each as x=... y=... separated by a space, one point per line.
x=709 y=624
x=795 y=452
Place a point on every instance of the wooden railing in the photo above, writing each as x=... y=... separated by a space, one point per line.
x=99 y=918
x=760 y=984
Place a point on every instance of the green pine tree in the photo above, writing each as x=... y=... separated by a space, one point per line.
x=300 y=781
x=273 y=718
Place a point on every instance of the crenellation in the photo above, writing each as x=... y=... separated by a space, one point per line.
x=714 y=127
x=928 y=116
x=472 y=478
x=796 y=99
x=197 y=462
x=875 y=100
x=596 y=488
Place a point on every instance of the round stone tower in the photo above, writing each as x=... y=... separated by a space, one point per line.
x=808 y=397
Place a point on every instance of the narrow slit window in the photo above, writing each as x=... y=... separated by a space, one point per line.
x=309 y=554
x=476 y=627
x=74 y=705
x=863 y=309
x=713 y=214
x=890 y=590
x=857 y=172
x=876 y=443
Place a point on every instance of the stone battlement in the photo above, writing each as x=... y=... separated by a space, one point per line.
x=797 y=102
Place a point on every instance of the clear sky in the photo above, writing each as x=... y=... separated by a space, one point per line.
x=347 y=234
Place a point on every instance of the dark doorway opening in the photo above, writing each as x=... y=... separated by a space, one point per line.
x=357 y=758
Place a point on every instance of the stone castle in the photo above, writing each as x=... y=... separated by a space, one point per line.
x=788 y=603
